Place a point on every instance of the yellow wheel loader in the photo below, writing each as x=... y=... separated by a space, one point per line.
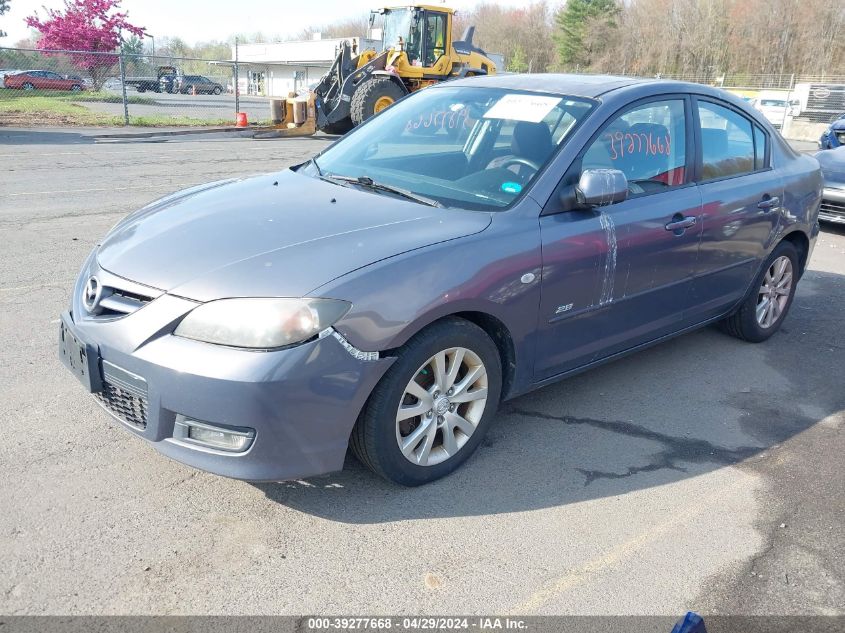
x=418 y=52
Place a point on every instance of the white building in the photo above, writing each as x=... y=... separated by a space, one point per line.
x=274 y=70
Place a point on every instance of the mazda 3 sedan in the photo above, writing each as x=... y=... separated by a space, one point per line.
x=475 y=241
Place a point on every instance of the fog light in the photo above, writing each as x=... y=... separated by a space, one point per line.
x=219 y=438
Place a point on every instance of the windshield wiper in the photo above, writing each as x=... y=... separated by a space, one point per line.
x=369 y=183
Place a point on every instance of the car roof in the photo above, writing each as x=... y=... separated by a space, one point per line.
x=553 y=83
x=589 y=86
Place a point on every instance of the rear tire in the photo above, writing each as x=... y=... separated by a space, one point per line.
x=141 y=89
x=371 y=96
x=459 y=406
x=765 y=308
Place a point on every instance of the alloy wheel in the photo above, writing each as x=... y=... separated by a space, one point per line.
x=773 y=295
x=441 y=406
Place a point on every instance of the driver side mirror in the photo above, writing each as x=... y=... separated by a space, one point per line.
x=601 y=187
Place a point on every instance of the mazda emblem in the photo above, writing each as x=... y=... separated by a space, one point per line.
x=91 y=294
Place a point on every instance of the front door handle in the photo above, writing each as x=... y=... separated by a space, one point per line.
x=681 y=223
x=769 y=202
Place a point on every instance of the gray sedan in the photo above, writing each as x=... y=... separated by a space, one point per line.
x=475 y=241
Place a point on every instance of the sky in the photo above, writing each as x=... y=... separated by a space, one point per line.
x=205 y=20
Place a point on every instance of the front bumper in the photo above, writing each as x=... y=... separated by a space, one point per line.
x=302 y=402
x=833 y=205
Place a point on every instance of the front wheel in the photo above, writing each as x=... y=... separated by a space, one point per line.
x=433 y=406
x=28 y=86
x=373 y=96
x=766 y=307
x=218 y=90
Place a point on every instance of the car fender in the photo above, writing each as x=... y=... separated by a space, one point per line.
x=496 y=273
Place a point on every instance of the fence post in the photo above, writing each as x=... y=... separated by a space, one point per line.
x=237 y=83
x=123 y=88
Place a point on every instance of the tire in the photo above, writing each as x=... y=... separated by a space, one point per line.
x=218 y=90
x=366 y=98
x=745 y=323
x=141 y=89
x=340 y=127
x=28 y=86
x=75 y=88
x=377 y=434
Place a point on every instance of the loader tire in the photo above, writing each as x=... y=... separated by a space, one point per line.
x=373 y=96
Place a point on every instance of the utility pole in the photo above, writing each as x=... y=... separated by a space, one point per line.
x=237 y=82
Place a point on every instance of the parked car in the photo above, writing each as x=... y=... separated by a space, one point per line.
x=391 y=292
x=7 y=71
x=202 y=85
x=834 y=135
x=42 y=80
x=833 y=198
x=776 y=110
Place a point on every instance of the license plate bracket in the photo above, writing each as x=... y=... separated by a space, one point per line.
x=81 y=358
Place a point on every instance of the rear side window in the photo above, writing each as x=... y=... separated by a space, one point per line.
x=727 y=142
x=760 y=147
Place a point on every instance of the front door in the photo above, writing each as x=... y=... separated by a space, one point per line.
x=618 y=276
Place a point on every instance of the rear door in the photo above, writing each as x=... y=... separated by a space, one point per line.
x=741 y=196
x=618 y=276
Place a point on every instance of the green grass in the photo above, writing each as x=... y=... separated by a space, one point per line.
x=63 y=108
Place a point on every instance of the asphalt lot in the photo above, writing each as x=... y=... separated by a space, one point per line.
x=701 y=474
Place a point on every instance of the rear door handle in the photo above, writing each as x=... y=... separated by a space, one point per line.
x=768 y=203
x=681 y=224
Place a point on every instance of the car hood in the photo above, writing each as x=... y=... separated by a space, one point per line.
x=281 y=234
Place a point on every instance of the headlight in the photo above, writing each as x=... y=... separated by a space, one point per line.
x=260 y=323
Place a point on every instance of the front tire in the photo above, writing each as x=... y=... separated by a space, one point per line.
x=373 y=96
x=764 y=310
x=218 y=91
x=432 y=408
x=28 y=86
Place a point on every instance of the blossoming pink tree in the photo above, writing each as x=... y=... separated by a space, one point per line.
x=86 y=25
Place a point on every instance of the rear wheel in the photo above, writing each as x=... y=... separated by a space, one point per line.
x=141 y=89
x=373 y=96
x=432 y=408
x=765 y=309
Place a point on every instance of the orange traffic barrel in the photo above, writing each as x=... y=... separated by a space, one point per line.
x=241 y=120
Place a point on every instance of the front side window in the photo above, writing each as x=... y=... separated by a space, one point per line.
x=647 y=144
x=472 y=148
x=727 y=142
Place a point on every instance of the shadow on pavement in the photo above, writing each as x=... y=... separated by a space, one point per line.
x=41 y=136
x=678 y=410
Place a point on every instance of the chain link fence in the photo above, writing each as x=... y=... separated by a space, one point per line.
x=85 y=88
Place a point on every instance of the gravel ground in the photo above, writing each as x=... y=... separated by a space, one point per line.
x=701 y=474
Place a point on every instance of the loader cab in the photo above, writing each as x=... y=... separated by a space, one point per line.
x=421 y=32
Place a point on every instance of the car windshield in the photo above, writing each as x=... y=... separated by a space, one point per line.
x=465 y=147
